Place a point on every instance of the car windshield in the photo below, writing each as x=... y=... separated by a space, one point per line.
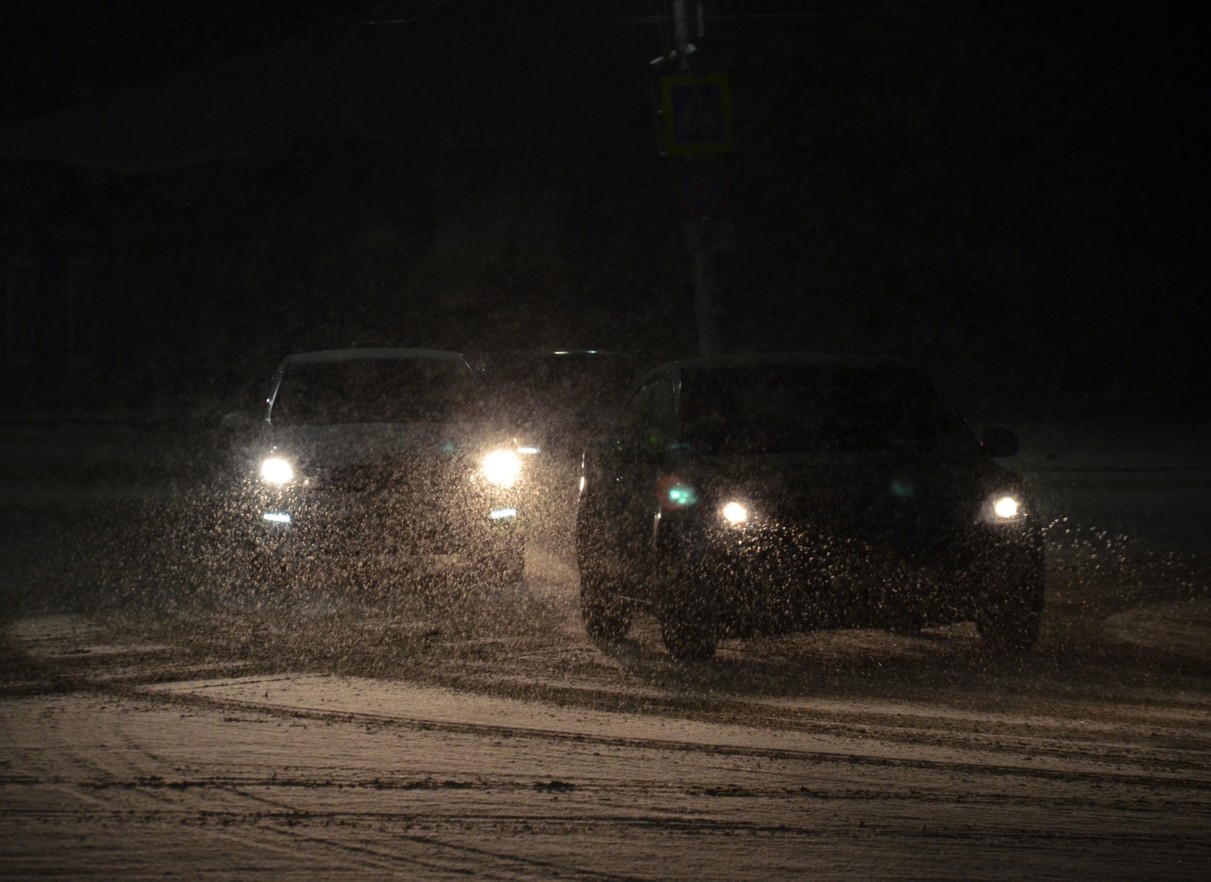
x=803 y=408
x=374 y=391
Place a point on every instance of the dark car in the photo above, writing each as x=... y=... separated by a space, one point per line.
x=382 y=457
x=775 y=493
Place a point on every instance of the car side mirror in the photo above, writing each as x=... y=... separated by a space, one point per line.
x=997 y=441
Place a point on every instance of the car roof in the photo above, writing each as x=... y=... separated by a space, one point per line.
x=755 y=359
x=559 y=353
x=367 y=354
x=496 y=357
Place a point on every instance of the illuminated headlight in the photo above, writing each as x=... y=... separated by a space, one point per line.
x=734 y=514
x=501 y=467
x=275 y=470
x=1003 y=508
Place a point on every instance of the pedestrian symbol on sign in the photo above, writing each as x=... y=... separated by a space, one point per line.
x=697 y=122
x=697 y=114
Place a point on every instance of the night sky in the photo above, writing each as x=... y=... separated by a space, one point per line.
x=1000 y=193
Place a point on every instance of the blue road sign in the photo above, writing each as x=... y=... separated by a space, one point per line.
x=697 y=114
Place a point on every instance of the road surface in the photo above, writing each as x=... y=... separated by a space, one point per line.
x=444 y=729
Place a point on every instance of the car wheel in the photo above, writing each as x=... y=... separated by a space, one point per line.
x=605 y=611
x=1010 y=617
x=688 y=627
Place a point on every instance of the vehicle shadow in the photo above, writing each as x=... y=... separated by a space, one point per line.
x=934 y=662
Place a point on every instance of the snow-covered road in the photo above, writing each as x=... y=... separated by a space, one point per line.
x=415 y=736
x=119 y=773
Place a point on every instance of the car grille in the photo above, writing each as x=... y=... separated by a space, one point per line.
x=407 y=478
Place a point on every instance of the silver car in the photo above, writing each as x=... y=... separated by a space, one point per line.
x=383 y=457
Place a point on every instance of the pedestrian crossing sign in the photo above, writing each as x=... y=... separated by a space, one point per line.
x=697 y=114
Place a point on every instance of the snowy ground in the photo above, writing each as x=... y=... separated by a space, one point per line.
x=146 y=731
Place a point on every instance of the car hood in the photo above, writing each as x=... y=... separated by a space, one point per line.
x=335 y=446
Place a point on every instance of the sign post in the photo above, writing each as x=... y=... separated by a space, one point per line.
x=696 y=116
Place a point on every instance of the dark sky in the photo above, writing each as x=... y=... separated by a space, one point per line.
x=942 y=154
x=1081 y=66
x=57 y=53
x=1050 y=92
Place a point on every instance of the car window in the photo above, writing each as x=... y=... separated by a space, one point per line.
x=374 y=391
x=662 y=410
x=649 y=415
x=800 y=408
x=640 y=404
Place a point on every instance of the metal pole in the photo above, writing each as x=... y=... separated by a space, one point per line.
x=697 y=238
x=681 y=33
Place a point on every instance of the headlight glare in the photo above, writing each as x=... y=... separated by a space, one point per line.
x=1004 y=508
x=275 y=470
x=501 y=468
x=734 y=514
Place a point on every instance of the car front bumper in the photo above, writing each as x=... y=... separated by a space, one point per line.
x=778 y=577
x=384 y=525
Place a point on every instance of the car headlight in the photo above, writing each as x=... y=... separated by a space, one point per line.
x=276 y=470
x=1003 y=508
x=501 y=468
x=734 y=514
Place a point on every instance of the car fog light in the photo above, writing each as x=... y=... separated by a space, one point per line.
x=680 y=496
x=674 y=493
x=502 y=514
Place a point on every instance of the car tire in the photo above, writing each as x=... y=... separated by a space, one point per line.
x=606 y=613
x=1010 y=618
x=688 y=641
x=688 y=627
